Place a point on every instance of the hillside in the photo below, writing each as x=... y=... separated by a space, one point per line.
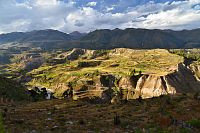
x=105 y=39
x=133 y=38
x=105 y=74
x=84 y=69
x=12 y=90
x=143 y=38
x=38 y=38
x=178 y=114
x=148 y=90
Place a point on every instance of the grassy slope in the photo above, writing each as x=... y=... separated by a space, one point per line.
x=121 y=62
x=12 y=90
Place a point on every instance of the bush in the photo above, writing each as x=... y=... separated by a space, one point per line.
x=194 y=123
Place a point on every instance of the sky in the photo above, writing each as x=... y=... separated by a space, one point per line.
x=88 y=15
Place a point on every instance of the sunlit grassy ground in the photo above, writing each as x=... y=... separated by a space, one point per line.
x=120 y=62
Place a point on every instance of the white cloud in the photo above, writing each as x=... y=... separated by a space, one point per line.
x=109 y=9
x=46 y=2
x=67 y=17
x=93 y=3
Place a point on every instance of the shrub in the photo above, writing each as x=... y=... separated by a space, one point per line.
x=194 y=123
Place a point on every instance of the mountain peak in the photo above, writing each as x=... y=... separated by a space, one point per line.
x=76 y=34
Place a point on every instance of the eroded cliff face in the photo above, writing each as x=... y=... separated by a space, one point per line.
x=147 y=86
x=195 y=67
x=107 y=87
x=180 y=81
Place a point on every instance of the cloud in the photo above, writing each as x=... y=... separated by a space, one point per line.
x=78 y=23
x=197 y=7
x=46 y=2
x=70 y=15
x=177 y=16
x=93 y=3
x=108 y=9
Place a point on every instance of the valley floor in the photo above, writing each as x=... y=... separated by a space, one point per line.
x=164 y=114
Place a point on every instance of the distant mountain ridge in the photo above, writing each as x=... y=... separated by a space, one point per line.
x=38 y=36
x=107 y=39
x=144 y=38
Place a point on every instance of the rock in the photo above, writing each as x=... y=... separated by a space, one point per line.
x=75 y=53
x=49 y=113
x=69 y=122
x=151 y=86
x=54 y=128
x=115 y=100
x=49 y=119
x=60 y=90
x=33 y=131
x=127 y=86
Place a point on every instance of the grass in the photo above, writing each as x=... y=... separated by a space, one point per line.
x=195 y=123
x=2 y=129
x=81 y=116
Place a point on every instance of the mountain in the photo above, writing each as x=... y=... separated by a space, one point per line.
x=106 y=39
x=76 y=35
x=143 y=38
x=34 y=36
x=48 y=35
x=11 y=37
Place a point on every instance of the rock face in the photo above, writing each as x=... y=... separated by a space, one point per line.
x=150 y=86
x=127 y=86
x=75 y=53
x=99 y=89
x=62 y=89
x=196 y=70
x=181 y=81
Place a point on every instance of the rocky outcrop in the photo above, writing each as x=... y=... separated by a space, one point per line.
x=75 y=54
x=61 y=90
x=195 y=67
x=150 y=86
x=181 y=81
x=33 y=63
x=97 y=89
x=127 y=86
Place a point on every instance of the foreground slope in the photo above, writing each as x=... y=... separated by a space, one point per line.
x=178 y=114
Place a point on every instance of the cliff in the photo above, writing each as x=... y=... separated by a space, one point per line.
x=144 y=86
